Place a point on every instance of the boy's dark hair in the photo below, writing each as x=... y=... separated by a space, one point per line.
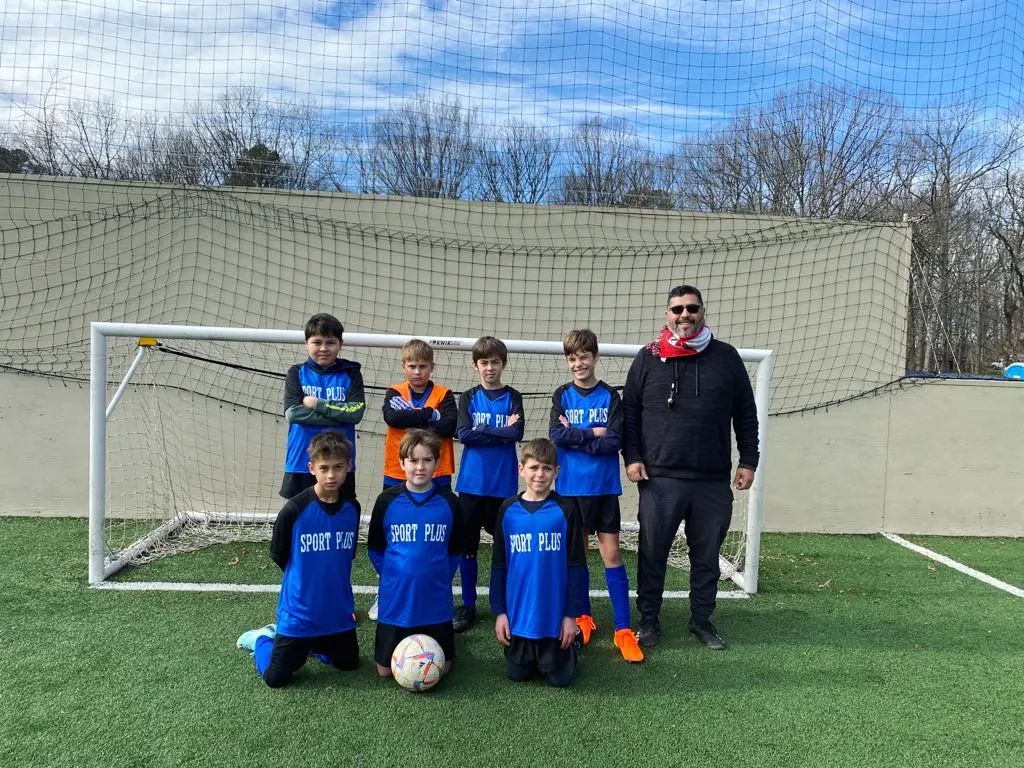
x=329 y=445
x=489 y=346
x=417 y=350
x=541 y=449
x=324 y=325
x=579 y=341
x=415 y=437
x=684 y=290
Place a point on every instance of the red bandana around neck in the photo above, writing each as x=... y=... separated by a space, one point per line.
x=670 y=345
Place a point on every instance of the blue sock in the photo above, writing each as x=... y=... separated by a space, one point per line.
x=618 y=590
x=262 y=652
x=587 y=609
x=468 y=571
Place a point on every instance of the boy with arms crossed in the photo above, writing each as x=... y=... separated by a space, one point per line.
x=418 y=403
x=538 y=573
x=490 y=423
x=586 y=425
x=415 y=544
x=324 y=392
x=314 y=541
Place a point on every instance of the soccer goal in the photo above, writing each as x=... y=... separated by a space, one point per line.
x=187 y=433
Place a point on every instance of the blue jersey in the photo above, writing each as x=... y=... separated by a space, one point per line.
x=588 y=465
x=415 y=543
x=340 y=392
x=489 y=465
x=314 y=543
x=536 y=564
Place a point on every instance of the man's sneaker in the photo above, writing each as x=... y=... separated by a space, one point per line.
x=705 y=632
x=248 y=639
x=465 y=617
x=372 y=613
x=649 y=632
x=626 y=642
x=587 y=626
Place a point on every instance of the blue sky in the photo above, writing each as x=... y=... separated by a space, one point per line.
x=670 y=68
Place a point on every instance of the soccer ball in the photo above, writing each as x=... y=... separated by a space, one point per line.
x=417 y=663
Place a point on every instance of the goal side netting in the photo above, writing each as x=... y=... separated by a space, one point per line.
x=187 y=434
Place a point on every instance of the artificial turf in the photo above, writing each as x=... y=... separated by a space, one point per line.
x=855 y=652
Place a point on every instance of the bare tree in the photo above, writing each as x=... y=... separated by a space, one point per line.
x=651 y=181
x=76 y=137
x=515 y=164
x=422 y=149
x=953 y=157
x=601 y=158
x=820 y=151
x=1005 y=222
x=166 y=151
x=242 y=118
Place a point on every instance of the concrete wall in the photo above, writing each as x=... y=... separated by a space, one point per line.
x=940 y=457
x=933 y=457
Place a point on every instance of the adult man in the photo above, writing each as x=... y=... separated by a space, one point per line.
x=682 y=392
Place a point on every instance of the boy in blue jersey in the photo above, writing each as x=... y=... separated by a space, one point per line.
x=415 y=544
x=491 y=422
x=325 y=392
x=314 y=541
x=538 y=573
x=586 y=425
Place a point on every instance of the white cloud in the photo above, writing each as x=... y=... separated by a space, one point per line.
x=162 y=57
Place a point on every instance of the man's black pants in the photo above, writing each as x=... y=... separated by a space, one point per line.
x=705 y=507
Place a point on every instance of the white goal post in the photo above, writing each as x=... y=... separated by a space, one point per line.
x=106 y=394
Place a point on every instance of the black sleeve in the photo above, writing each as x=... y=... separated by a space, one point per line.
x=744 y=417
x=632 y=412
x=455 y=541
x=293 y=393
x=359 y=521
x=375 y=538
x=499 y=557
x=408 y=419
x=357 y=390
x=446 y=426
x=556 y=410
x=281 y=538
x=462 y=423
x=615 y=413
x=517 y=407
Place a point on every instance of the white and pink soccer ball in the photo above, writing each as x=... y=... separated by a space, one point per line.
x=418 y=663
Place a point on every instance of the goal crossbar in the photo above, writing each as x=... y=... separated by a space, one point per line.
x=101 y=566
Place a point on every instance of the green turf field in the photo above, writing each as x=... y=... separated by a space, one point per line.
x=855 y=653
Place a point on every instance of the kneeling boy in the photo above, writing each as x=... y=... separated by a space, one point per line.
x=415 y=544
x=314 y=541
x=538 y=573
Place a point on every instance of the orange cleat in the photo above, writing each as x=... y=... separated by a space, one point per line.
x=587 y=627
x=626 y=642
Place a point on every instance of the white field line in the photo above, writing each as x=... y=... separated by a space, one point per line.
x=173 y=586
x=956 y=566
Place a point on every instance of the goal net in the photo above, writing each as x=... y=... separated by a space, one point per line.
x=188 y=434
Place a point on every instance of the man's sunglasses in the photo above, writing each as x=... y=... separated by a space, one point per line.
x=693 y=309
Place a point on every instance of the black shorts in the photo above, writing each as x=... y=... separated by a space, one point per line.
x=389 y=636
x=600 y=513
x=525 y=658
x=295 y=483
x=477 y=512
x=340 y=650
